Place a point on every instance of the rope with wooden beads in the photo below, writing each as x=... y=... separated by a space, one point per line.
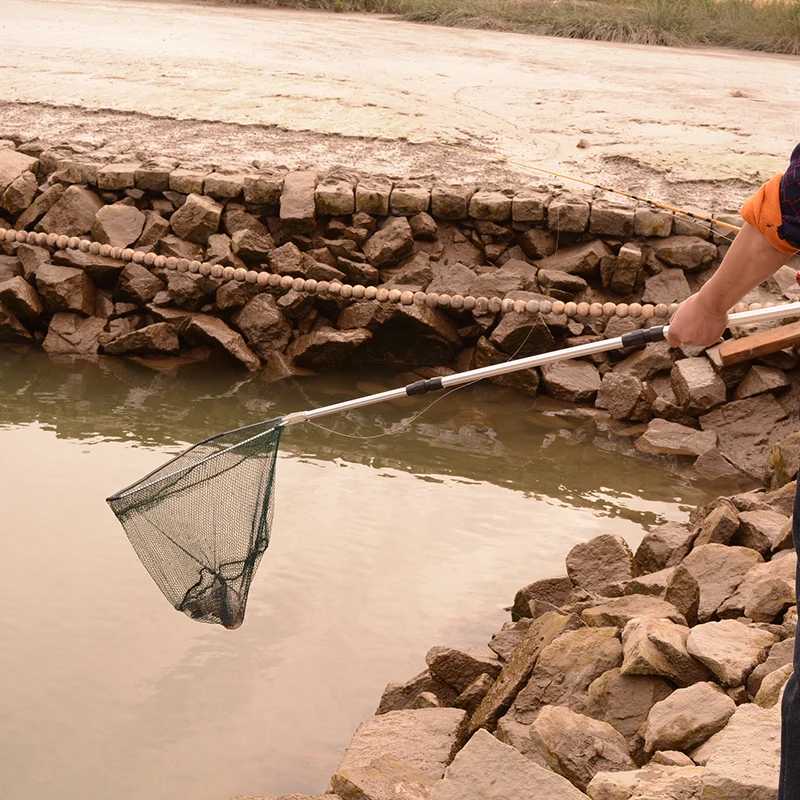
x=480 y=305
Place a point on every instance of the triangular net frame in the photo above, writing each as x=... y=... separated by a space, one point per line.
x=201 y=522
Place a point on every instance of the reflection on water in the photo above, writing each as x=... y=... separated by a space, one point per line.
x=382 y=547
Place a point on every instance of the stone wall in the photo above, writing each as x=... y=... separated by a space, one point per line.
x=134 y=255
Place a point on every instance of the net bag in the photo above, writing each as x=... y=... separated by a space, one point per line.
x=201 y=522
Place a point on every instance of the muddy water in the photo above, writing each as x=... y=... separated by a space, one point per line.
x=381 y=548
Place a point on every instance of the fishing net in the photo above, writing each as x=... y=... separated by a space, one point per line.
x=201 y=522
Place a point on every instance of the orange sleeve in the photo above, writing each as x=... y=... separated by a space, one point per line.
x=763 y=211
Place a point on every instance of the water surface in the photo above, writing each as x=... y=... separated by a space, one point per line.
x=381 y=548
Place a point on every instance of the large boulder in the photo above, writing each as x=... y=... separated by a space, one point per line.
x=671 y=438
x=766 y=592
x=21 y=298
x=263 y=325
x=550 y=590
x=401 y=696
x=577 y=746
x=580 y=259
x=697 y=385
x=327 y=348
x=11 y=329
x=119 y=225
x=386 y=778
x=459 y=667
x=522 y=335
x=487 y=769
x=65 y=289
x=516 y=671
x=718 y=570
x=761 y=530
x=781 y=654
x=197 y=219
x=667 y=286
x=425 y=739
x=73 y=334
x=683 y=591
x=729 y=649
x=506 y=640
x=658 y=647
x=619 y=611
x=687 y=718
x=103 y=271
x=12 y=165
x=761 y=379
x=574 y=381
x=565 y=670
x=20 y=193
x=40 y=206
x=654 y=782
x=137 y=285
x=745 y=763
x=719 y=526
x=685 y=252
x=73 y=214
x=391 y=244
x=602 y=561
x=666 y=546
x=624 y=701
x=298 y=208
x=159 y=338
x=210 y=330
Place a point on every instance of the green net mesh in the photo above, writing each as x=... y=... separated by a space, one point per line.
x=201 y=522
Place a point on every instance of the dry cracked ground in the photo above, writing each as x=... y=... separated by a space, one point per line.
x=220 y=84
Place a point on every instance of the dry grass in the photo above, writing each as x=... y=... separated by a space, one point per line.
x=772 y=26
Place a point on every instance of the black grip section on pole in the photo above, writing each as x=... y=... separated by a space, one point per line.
x=642 y=337
x=423 y=387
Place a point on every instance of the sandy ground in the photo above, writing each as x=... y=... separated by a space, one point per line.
x=220 y=84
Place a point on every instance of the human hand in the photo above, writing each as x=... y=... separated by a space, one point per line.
x=696 y=322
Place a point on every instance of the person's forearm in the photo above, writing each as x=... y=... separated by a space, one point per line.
x=749 y=262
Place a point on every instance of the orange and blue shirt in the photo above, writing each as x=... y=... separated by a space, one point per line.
x=775 y=208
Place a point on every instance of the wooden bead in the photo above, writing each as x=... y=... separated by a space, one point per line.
x=622 y=310
x=394 y=295
x=570 y=309
x=673 y=307
x=138 y=257
x=661 y=310
x=519 y=306
x=346 y=291
x=495 y=304
x=407 y=298
x=481 y=305
x=194 y=266
x=469 y=302
x=358 y=291
x=558 y=306
x=263 y=278
x=457 y=301
x=183 y=265
x=754 y=307
x=216 y=271
x=444 y=300
x=740 y=308
x=432 y=300
x=507 y=305
x=172 y=263
x=420 y=298
x=596 y=310
x=11 y=236
x=275 y=282
x=648 y=312
x=127 y=254
x=41 y=240
x=94 y=248
x=288 y=280
x=382 y=295
x=532 y=306
x=52 y=238
x=73 y=243
x=635 y=310
x=609 y=309
x=298 y=284
x=160 y=262
x=116 y=253
x=545 y=306
x=22 y=237
x=251 y=276
x=84 y=245
x=322 y=286
x=370 y=292
x=583 y=310
x=227 y=273
x=310 y=286
x=239 y=274
x=61 y=242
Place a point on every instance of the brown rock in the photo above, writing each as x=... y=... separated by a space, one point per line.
x=719 y=526
x=298 y=208
x=666 y=546
x=718 y=570
x=73 y=214
x=577 y=746
x=72 y=334
x=103 y=271
x=460 y=667
x=667 y=286
x=264 y=326
x=574 y=381
x=13 y=164
x=400 y=696
x=21 y=298
x=327 y=348
x=581 y=259
x=65 y=289
x=118 y=225
x=537 y=243
x=565 y=670
x=619 y=611
x=386 y=778
x=11 y=329
x=515 y=673
x=759 y=380
x=158 y=338
x=137 y=285
x=760 y=530
x=213 y=331
x=623 y=395
x=781 y=654
x=785 y=459
x=658 y=647
x=40 y=206
x=601 y=561
x=20 y=193
x=506 y=641
x=473 y=695
x=197 y=219
x=683 y=592
x=685 y=252
x=670 y=438
x=555 y=590
x=568 y=215
x=697 y=385
x=391 y=244
x=522 y=335
x=409 y=198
